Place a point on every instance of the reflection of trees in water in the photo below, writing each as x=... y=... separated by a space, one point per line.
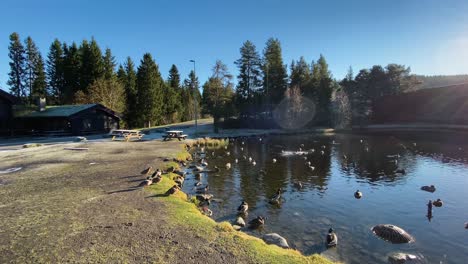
x=373 y=159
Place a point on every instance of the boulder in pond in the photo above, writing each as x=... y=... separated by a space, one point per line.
x=405 y=258
x=392 y=234
x=275 y=239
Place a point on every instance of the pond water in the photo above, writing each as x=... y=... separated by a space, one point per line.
x=326 y=199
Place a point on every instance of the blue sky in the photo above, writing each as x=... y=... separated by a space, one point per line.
x=429 y=36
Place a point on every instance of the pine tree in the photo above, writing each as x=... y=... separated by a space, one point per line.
x=17 y=67
x=249 y=83
x=55 y=71
x=31 y=57
x=109 y=64
x=150 y=92
x=324 y=91
x=274 y=71
x=300 y=74
x=194 y=98
x=174 y=77
x=39 y=86
x=128 y=77
x=71 y=73
x=92 y=64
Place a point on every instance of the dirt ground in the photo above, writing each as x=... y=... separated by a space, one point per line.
x=79 y=206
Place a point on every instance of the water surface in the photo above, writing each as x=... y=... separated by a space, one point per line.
x=349 y=162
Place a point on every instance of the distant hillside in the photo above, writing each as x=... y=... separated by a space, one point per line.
x=441 y=80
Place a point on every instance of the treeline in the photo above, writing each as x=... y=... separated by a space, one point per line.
x=77 y=74
x=82 y=73
x=441 y=80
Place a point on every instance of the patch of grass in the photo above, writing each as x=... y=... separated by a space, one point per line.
x=185 y=213
x=210 y=142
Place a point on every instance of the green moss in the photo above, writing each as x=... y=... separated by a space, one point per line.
x=185 y=212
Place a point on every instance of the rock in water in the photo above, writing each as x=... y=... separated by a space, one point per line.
x=276 y=239
x=404 y=258
x=392 y=234
x=239 y=221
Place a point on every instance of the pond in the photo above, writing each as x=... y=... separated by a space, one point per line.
x=343 y=164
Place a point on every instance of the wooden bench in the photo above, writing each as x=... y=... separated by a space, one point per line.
x=174 y=134
x=127 y=135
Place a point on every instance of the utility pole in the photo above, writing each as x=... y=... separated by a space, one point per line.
x=195 y=97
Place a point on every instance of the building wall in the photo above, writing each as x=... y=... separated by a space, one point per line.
x=5 y=115
x=94 y=121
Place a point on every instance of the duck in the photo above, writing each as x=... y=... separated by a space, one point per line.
x=332 y=238
x=250 y=159
x=228 y=166
x=147 y=171
x=308 y=163
x=402 y=171
x=242 y=149
x=202 y=189
x=157 y=180
x=275 y=199
x=322 y=152
x=312 y=167
x=174 y=189
x=206 y=211
x=257 y=222
x=243 y=208
x=228 y=153
x=145 y=183
x=438 y=203
x=274 y=160
x=358 y=194
x=236 y=161
x=198 y=176
x=431 y=188
x=179 y=181
x=216 y=169
x=466 y=225
x=198 y=183
x=298 y=185
x=204 y=163
x=254 y=163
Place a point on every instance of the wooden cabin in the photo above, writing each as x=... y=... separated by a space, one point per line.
x=6 y=112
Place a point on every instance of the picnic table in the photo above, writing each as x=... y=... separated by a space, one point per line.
x=174 y=134
x=126 y=134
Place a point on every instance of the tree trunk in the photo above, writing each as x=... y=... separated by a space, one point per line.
x=216 y=124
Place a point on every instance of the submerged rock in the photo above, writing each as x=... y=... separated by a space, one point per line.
x=405 y=258
x=275 y=239
x=392 y=233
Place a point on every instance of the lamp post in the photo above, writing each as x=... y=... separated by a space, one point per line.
x=194 y=97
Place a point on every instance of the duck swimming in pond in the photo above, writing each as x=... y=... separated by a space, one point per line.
x=437 y=203
x=402 y=171
x=228 y=166
x=243 y=208
x=298 y=185
x=274 y=160
x=254 y=163
x=358 y=194
x=257 y=222
x=332 y=238
x=236 y=161
x=276 y=198
x=431 y=188
x=202 y=189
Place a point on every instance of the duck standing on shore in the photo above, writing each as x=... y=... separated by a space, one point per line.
x=146 y=182
x=174 y=189
x=332 y=238
x=147 y=171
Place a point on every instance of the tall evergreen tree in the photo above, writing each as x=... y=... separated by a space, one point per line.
x=71 y=73
x=172 y=97
x=17 y=67
x=249 y=83
x=31 y=62
x=55 y=71
x=324 y=91
x=128 y=77
x=150 y=91
x=39 y=86
x=300 y=74
x=92 y=64
x=193 y=97
x=274 y=71
x=109 y=64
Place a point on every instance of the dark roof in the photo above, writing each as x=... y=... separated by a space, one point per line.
x=12 y=99
x=66 y=110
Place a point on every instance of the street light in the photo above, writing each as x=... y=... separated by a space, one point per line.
x=194 y=97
